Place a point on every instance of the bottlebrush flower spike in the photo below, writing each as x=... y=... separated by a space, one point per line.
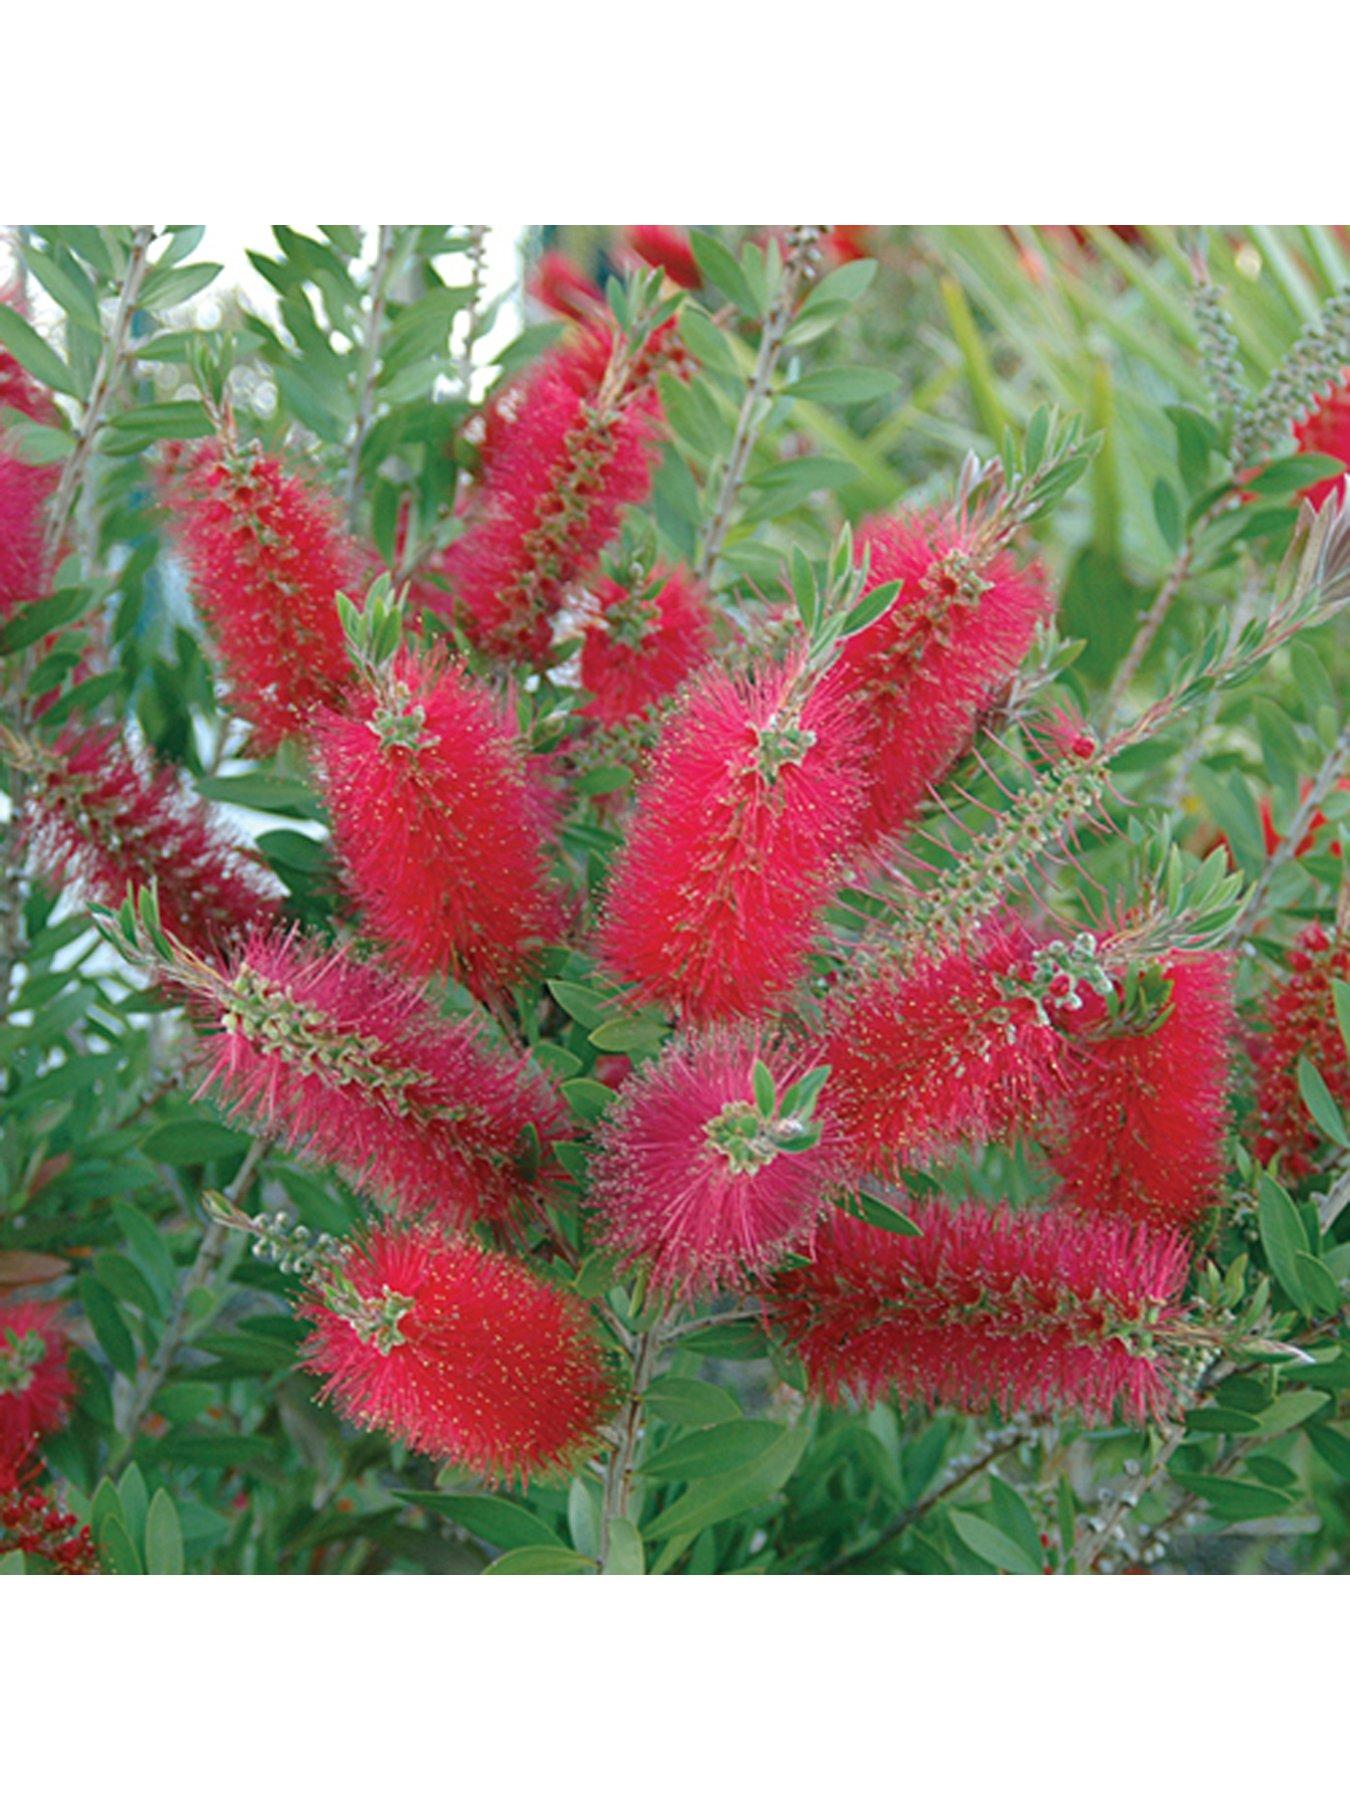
x=735 y=845
x=440 y=823
x=24 y=491
x=35 y=1381
x=353 y=1065
x=962 y=1047
x=666 y=247
x=989 y=1308
x=568 y=451
x=640 y=646
x=926 y=668
x=1326 y=430
x=703 y=1175
x=559 y=284
x=102 y=821
x=1146 y=1107
x=1299 y=1020
x=267 y=560
x=458 y=1352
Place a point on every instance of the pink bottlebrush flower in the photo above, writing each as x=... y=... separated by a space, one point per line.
x=35 y=1380
x=458 y=1352
x=352 y=1065
x=1299 y=1020
x=102 y=821
x=666 y=247
x=988 y=1307
x=440 y=823
x=926 y=668
x=559 y=284
x=735 y=845
x=956 y=1049
x=695 y=1179
x=24 y=491
x=639 y=647
x=1146 y=1109
x=567 y=450
x=1326 y=430
x=267 y=559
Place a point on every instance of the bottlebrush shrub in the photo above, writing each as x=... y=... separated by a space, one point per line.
x=103 y=824
x=341 y=1058
x=459 y=1352
x=965 y=618
x=737 y=841
x=35 y=1380
x=267 y=560
x=711 y=1167
x=1298 y=1024
x=641 y=643
x=440 y=823
x=987 y=1307
x=34 y=1525
x=710 y=982
x=569 y=451
x=1146 y=1099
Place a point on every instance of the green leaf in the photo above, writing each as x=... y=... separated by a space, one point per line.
x=723 y=1496
x=634 y=1031
x=496 y=1521
x=879 y=1213
x=1317 y=1098
x=163 y=1537
x=625 y=1550
x=1282 y=1237
x=682 y=1400
x=1334 y=1449
x=116 y=1550
x=114 y=1339
x=712 y=1450
x=580 y=1003
x=35 y=353
x=844 y=386
x=1319 y=1284
x=1234 y=1499
x=588 y=1099
x=183 y=1142
x=35 y=618
x=542 y=1559
x=720 y=269
x=1341 y=994
x=993 y=1545
x=1291 y=473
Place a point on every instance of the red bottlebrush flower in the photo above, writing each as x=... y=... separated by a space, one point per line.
x=267 y=559
x=693 y=1177
x=954 y=1050
x=559 y=284
x=1298 y=1020
x=35 y=1381
x=32 y=1523
x=100 y=820
x=354 y=1066
x=1326 y=430
x=568 y=450
x=988 y=1308
x=640 y=646
x=735 y=845
x=666 y=247
x=440 y=824
x=24 y=491
x=459 y=1352
x=1146 y=1110
x=848 y=243
x=926 y=668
